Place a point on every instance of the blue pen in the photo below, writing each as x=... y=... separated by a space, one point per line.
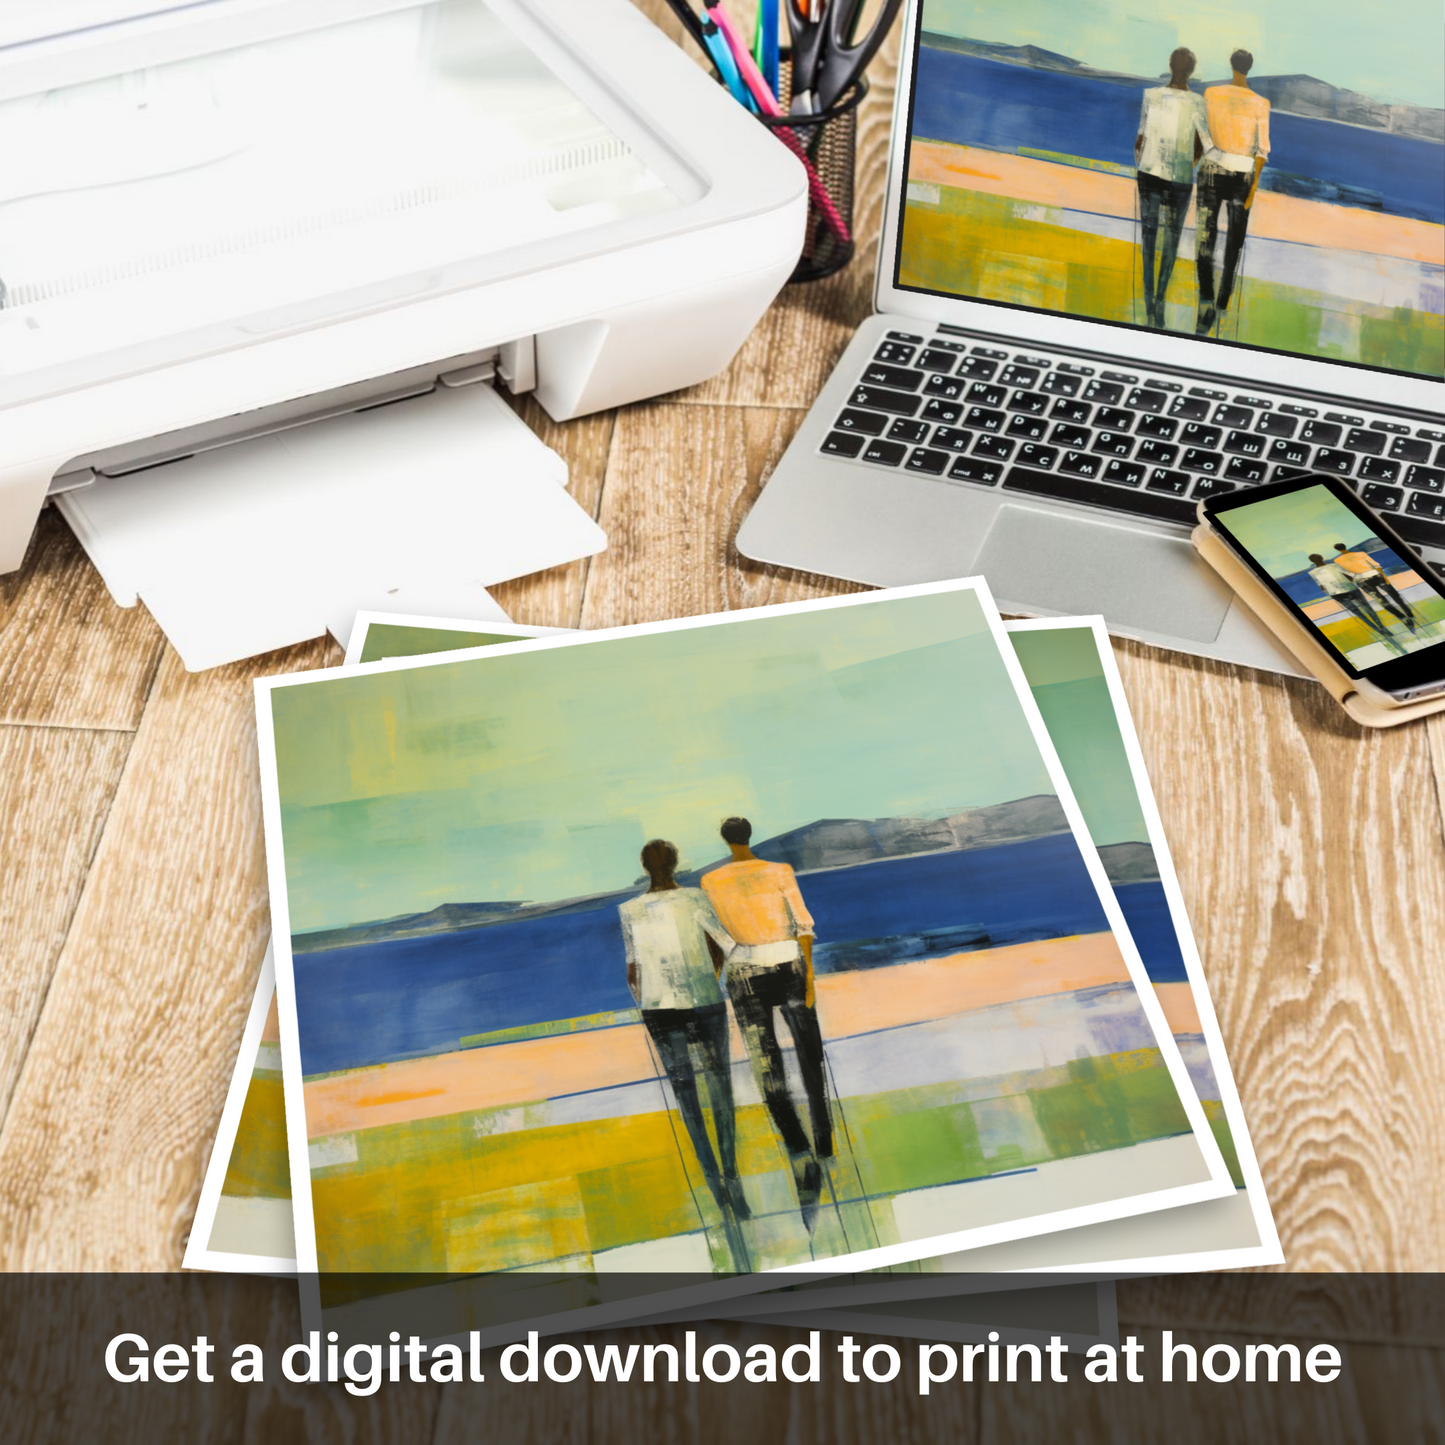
x=768 y=50
x=727 y=67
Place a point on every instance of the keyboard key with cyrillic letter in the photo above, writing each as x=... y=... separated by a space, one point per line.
x=948 y=387
x=1035 y=456
x=996 y=447
x=1246 y=469
x=1425 y=479
x=1156 y=454
x=1424 y=504
x=1196 y=459
x=1330 y=459
x=1195 y=435
x=1378 y=469
x=1161 y=479
x=1124 y=474
x=1211 y=487
x=1081 y=464
x=1112 y=444
x=953 y=438
x=1289 y=453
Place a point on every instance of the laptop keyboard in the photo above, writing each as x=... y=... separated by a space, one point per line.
x=1140 y=444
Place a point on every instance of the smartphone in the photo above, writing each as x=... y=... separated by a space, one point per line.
x=1376 y=607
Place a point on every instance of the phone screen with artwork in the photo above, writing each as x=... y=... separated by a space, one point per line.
x=1374 y=605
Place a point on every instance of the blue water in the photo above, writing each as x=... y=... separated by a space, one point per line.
x=971 y=101
x=385 y=1001
x=1303 y=588
x=1146 y=910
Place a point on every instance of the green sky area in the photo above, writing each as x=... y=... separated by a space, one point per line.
x=1067 y=680
x=540 y=776
x=393 y=639
x=1390 y=53
x=1281 y=532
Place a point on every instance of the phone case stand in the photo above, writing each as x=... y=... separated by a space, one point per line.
x=1296 y=638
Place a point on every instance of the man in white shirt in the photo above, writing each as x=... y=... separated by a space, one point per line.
x=1339 y=586
x=675 y=950
x=1173 y=134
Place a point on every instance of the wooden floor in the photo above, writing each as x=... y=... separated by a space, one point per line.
x=133 y=903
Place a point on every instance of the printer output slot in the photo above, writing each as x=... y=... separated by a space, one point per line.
x=514 y=362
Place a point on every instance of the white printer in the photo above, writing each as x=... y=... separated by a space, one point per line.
x=220 y=221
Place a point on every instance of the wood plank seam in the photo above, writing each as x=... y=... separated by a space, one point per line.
x=34 y=1028
x=9 y=1091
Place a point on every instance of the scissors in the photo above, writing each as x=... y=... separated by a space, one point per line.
x=827 y=54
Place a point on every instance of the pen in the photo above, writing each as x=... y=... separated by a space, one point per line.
x=748 y=70
x=765 y=42
x=712 y=43
x=767 y=103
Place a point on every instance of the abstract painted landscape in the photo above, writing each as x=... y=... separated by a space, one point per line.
x=1021 y=170
x=1068 y=683
x=253 y=1214
x=480 y=1091
x=1364 y=598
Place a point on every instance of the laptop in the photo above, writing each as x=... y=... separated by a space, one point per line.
x=1028 y=405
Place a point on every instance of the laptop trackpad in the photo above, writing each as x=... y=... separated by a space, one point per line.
x=1071 y=565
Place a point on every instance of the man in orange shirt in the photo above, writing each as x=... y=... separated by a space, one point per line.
x=1227 y=180
x=760 y=906
x=1373 y=579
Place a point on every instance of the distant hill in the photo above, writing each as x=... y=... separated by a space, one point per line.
x=1032 y=817
x=1032 y=56
x=828 y=843
x=847 y=842
x=448 y=918
x=1303 y=95
x=1129 y=862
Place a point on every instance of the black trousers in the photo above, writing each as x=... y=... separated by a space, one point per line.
x=758 y=991
x=693 y=1041
x=1161 y=204
x=1226 y=191
x=1363 y=606
x=1386 y=596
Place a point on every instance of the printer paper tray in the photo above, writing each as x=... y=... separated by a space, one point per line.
x=417 y=506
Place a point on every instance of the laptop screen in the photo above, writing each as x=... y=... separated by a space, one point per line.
x=1266 y=173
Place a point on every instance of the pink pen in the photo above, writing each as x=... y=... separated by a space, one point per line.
x=768 y=105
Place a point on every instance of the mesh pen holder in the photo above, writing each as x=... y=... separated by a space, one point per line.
x=827 y=145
